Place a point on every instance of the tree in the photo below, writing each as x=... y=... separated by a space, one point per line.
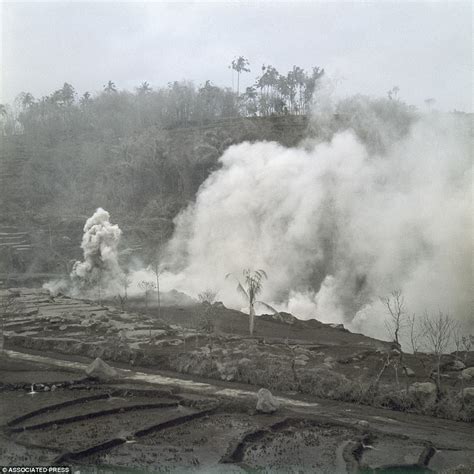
x=437 y=333
x=85 y=99
x=157 y=271
x=64 y=96
x=144 y=88
x=147 y=287
x=207 y=315
x=395 y=304
x=110 y=87
x=240 y=65
x=25 y=99
x=393 y=93
x=252 y=287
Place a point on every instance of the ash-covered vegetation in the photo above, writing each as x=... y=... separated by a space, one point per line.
x=142 y=153
x=145 y=153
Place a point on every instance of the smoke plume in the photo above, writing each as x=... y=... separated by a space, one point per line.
x=381 y=200
x=100 y=266
x=100 y=270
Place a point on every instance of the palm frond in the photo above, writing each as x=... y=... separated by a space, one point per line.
x=271 y=308
x=242 y=291
x=261 y=274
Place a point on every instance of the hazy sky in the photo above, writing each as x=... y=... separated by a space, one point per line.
x=423 y=48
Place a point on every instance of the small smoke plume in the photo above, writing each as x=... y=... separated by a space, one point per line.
x=380 y=201
x=100 y=246
x=100 y=269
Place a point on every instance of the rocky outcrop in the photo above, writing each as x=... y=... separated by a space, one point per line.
x=266 y=403
x=98 y=369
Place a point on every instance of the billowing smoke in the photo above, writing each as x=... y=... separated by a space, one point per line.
x=100 y=271
x=381 y=201
x=100 y=246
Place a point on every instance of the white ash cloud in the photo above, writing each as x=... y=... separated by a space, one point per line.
x=383 y=203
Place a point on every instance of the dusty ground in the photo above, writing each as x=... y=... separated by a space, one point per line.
x=185 y=400
x=139 y=423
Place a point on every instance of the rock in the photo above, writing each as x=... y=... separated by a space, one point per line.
x=363 y=423
x=329 y=362
x=63 y=327
x=457 y=365
x=46 y=389
x=424 y=391
x=266 y=403
x=468 y=394
x=468 y=374
x=302 y=357
x=409 y=372
x=100 y=370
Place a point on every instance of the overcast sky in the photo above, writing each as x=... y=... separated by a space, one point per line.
x=423 y=48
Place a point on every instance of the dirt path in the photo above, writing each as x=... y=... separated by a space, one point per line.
x=300 y=427
x=156 y=379
x=443 y=433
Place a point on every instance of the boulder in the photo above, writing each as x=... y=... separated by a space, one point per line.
x=468 y=374
x=100 y=370
x=409 y=372
x=457 y=365
x=266 y=403
x=424 y=391
x=468 y=394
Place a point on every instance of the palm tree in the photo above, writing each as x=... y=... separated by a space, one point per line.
x=253 y=282
x=85 y=99
x=240 y=65
x=144 y=88
x=110 y=87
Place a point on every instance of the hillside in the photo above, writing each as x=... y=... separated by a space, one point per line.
x=143 y=181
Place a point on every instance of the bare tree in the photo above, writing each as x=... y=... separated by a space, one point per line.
x=397 y=320
x=122 y=299
x=147 y=287
x=395 y=304
x=437 y=334
x=414 y=335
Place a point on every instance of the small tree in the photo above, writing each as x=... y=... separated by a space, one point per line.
x=148 y=287
x=123 y=298
x=395 y=304
x=155 y=268
x=252 y=287
x=397 y=320
x=208 y=313
x=437 y=333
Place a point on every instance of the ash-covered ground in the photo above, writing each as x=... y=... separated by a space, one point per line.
x=89 y=385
